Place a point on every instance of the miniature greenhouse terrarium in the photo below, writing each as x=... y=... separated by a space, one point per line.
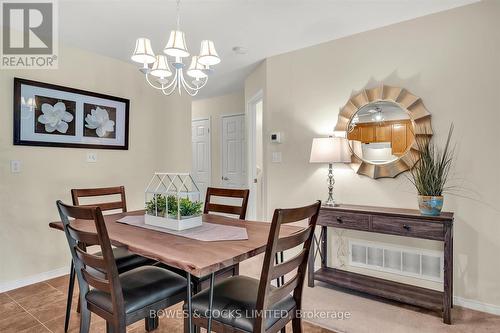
x=173 y=201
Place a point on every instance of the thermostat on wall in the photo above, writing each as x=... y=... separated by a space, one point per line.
x=276 y=137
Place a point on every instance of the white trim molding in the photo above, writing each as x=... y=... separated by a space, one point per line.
x=476 y=305
x=40 y=277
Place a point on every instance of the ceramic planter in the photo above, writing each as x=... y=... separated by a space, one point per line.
x=430 y=205
x=185 y=222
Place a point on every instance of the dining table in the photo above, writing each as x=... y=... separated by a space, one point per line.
x=195 y=257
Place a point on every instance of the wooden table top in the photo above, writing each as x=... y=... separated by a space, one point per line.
x=196 y=257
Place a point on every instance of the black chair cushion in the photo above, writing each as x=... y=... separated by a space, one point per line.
x=141 y=287
x=234 y=303
x=126 y=260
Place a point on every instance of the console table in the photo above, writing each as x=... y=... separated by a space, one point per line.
x=391 y=221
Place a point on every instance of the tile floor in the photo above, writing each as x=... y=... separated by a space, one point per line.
x=41 y=307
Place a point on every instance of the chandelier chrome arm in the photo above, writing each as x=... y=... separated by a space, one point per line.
x=162 y=86
x=192 y=91
x=177 y=82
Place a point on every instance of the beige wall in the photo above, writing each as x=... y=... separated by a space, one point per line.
x=450 y=59
x=215 y=108
x=159 y=137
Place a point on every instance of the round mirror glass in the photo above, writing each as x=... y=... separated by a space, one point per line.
x=380 y=132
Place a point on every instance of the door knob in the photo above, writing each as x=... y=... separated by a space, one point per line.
x=225 y=178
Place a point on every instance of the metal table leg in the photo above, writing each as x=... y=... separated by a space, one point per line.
x=210 y=302
x=70 y=296
x=189 y=299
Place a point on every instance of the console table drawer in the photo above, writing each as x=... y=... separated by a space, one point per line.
x=408 y=227
x=344 y=220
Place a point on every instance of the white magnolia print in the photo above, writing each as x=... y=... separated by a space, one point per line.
x=98 y=119
x=55 y=118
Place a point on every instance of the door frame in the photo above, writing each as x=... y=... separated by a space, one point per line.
x=209 y=118
x=251 y=128
x=229 y=115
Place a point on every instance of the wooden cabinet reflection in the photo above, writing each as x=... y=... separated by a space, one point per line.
x=398 y=133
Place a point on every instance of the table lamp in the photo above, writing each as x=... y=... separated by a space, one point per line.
x=330 y=150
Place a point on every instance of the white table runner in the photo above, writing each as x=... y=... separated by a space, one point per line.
x=207 y=232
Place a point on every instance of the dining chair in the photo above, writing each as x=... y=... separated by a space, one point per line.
x=256 y=305
x=240 y=211
x=125 y=260
x=120 y=299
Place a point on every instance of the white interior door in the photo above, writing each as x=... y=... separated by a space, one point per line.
x=255 y=157
x=201 y=166
x=234 y=152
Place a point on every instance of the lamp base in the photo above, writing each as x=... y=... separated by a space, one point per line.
x=330 y=204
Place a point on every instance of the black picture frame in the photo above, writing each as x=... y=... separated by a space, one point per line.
x=17 y=140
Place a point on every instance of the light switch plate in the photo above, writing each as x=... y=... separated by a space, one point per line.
x=91 y=157
x=15 y=166
x=276 y=158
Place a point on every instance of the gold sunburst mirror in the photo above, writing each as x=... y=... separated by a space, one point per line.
x=381 y=125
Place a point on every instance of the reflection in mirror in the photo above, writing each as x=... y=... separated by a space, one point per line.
x=380 y=132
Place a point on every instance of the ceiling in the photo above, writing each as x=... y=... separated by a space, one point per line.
x=264 y=27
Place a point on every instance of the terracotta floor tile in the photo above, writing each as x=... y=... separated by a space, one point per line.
x=48 y=296
x=9 y=309
x=17 y=322
x=31 y=290
x=56 y=325
x=36 y=329
x=4 y=298
x=61 y=283
x=50 y=311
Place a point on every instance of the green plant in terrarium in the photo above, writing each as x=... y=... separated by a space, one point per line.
x=189 y=208
x=158 y=206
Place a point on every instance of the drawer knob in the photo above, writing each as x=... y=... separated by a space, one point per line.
x=339 y=220
x=406 y=227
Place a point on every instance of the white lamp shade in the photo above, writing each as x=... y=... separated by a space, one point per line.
x=176 y=45
x=143 y=52
x=208 y=54
x=196 y=69
x=160 y=67
x=330 y=150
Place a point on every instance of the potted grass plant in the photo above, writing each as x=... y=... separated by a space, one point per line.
x=431 y=172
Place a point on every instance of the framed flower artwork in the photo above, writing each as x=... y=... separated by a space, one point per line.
x=57 y=116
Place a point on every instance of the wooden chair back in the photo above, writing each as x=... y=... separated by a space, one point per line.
x=267 y=295
x=240 y=211
x=99 y=272
x=76 y=194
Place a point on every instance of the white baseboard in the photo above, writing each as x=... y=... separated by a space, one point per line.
x=476 y=305
x=6 y=286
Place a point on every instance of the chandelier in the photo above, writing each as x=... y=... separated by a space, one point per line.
x=168 y=76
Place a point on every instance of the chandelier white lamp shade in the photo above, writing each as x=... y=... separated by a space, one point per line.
x=176 y=45
x=208 y=55
x=197 y=70
x=167 y=74
x=143 y=52
x=160 y=68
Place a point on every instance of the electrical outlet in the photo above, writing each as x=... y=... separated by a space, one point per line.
x=91 y=157
x=15 y=166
